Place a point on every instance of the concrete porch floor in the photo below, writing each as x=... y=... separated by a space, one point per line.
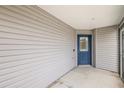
x=89 y=77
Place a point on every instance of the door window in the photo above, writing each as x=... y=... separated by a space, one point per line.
x=83 y=43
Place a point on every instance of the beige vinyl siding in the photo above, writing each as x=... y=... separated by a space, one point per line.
x=107 y=48
x=35 y=47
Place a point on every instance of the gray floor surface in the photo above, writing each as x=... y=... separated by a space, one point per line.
x=89 y=77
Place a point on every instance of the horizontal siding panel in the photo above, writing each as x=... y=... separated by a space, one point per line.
x=27 y=47
x=107 y=49
x=25 y=11
x=21 y=75
x=27 y=27
x=27 y=18
x=34 y=47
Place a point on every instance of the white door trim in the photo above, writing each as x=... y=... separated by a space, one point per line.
x=121 y=52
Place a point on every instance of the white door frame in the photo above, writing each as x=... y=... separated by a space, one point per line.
x=122 y=30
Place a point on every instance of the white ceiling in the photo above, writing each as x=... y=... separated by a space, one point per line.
x=86 y=16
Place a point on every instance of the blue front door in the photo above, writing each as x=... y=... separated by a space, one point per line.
x=84 y=49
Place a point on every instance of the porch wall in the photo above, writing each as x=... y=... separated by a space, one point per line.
x=35 y=47
x=106 y=48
